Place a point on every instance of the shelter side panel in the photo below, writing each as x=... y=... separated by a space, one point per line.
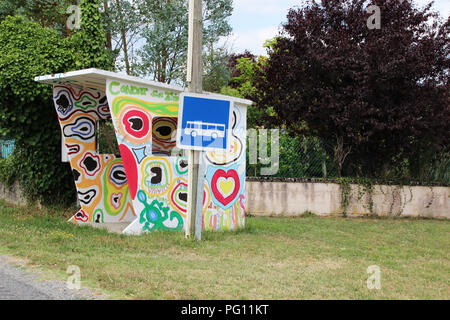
x=99 y=178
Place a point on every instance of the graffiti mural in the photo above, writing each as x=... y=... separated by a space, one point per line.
x=99 y=178
x=145 y=182
x=145 y=119
x=224 y=207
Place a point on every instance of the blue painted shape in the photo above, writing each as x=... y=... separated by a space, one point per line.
x=7 y=147
x=204 y=123
x=139 y=153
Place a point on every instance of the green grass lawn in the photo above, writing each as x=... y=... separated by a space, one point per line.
x=273 y=258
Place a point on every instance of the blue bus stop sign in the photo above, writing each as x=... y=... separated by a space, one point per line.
x=204 y=122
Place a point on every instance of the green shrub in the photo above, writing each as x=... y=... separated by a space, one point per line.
x=27 y=113
x=26 y=108
x=8 y=172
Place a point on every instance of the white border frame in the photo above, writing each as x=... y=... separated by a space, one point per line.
x=180 y=121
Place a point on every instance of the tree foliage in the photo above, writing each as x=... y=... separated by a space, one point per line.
x=26 y=107
x=47 y=13
x=27 y=114
x=378 y=95
x=215 y=71
x=232 y=65
x=245 y=71
x=90 y=41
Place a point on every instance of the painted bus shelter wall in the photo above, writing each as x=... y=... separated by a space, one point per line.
x=99 y=178
x=145 y=120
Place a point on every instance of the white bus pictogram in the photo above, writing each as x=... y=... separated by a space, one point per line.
x=214 y=130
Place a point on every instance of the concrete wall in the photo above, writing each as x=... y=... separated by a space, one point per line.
x=13 y=194
x=294 y=198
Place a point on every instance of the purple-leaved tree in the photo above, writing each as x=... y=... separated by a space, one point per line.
x=376 y=95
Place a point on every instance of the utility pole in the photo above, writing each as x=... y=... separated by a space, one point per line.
x=195 y=80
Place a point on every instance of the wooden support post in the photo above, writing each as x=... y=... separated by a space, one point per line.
x=195 y=79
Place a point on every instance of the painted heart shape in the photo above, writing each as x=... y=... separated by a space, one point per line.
x=225 y=185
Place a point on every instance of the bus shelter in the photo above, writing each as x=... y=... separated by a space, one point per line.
x=142 y=179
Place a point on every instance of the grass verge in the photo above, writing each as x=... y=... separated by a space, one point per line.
x=273 y=258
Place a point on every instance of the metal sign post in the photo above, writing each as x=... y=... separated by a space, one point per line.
x=195 y=79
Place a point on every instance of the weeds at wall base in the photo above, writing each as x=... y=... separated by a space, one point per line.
x=365 y=187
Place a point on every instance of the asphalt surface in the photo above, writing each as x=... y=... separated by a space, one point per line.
x=19 y=284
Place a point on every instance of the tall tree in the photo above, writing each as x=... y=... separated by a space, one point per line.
x=245 y=71
x=123 y=23
x=216 y=73
x=163 y=56
x=375 y=93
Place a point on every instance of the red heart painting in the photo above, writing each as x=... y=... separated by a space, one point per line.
x=225 y=185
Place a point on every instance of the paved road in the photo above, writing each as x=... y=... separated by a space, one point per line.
x=18 y=284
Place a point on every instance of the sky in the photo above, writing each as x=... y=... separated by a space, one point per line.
x=255 y=21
